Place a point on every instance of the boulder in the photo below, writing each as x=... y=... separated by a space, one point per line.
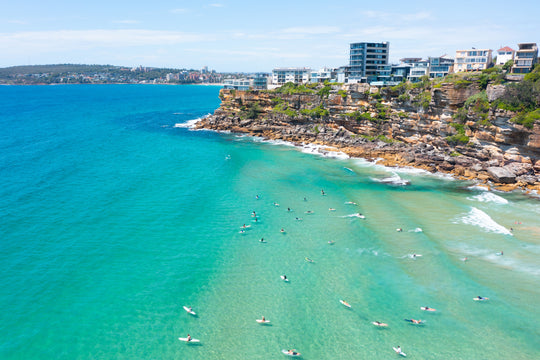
x=501 y=175
x=495 y=92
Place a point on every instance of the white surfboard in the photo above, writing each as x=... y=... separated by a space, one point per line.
x=189 y=311
x=399 y=352
x=376 y=323
x=189 y=341
x=480 y=299
x=345 y=303
x=294 y=353
x=284 y=278
x=261 y=321
x=426 y=308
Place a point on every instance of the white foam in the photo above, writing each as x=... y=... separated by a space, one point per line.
x=395 y=179
x=416 y=230
x=322 y=150
x=479 y=218
x=357 y=215
x=190 y=124
x=489 y=197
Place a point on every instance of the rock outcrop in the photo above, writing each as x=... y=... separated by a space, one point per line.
x=416 y=127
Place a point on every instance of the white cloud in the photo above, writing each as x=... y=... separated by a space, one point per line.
x=84 y=39
x=179 y=11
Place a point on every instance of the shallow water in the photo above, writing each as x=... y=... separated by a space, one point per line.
x=113 y=219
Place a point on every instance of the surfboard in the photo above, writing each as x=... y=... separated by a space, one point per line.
x=376 y=323
x=190 y=341
x=399 y=352
x=345 y=303
x=425 y=308
x=294 y=353
x=480 y=299
x=284 y=278
x=309 y=260
x=189 y=311
x=261 y=321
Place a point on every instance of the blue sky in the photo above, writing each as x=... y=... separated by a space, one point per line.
x=232 y=35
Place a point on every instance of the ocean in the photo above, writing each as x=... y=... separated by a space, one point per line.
x=115 y=214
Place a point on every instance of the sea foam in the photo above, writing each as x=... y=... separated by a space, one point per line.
x=489 y=197
x=479 y=218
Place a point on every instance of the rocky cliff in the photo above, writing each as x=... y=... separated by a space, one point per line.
x=426 y=127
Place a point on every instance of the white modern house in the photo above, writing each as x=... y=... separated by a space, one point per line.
x=504 y=55
x=282 y=76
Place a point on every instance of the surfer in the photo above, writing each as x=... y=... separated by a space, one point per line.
x=288 y=209
x=262 y=240
x=398 y=349
x=257 y=197
x=292 y=352
x=284 y=277
x=322 y=192
x=282 y=230
x=188 y=336
x=263 y=319
x=399 y=230
x=305 y=199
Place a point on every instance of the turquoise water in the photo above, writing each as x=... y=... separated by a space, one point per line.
x=112 y=219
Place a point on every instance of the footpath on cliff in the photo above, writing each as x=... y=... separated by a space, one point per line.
x=475 y=125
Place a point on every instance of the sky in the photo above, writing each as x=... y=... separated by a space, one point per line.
x=253 y=36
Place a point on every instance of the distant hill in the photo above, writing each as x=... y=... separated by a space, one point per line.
x=56 y=68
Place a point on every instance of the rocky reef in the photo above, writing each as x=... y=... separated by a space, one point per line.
x=447 y=127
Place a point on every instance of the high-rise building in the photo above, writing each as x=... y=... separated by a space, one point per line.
x=365 y=60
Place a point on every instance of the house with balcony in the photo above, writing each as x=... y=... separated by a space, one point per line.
x=365 y=60
x=418 y=69
x=440 y=66
x=281 y=76
x=238 y=84
x=472 y=60
x=525 y=58
x=504 y=55
x=323 y=74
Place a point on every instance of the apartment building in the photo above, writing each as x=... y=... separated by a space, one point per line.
x=525 y=58
x=365 y=60
x=472 y=60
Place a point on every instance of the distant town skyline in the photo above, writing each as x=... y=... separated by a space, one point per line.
x=236 y=36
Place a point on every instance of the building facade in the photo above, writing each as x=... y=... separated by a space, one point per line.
x=281 y=76
x=419 y=68
x=323 y=74
x=365 y=60
x=504 y=55
x=525 y=59
x=440 y=66
x=472 y=60
x=238 y=84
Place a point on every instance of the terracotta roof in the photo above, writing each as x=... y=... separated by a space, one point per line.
x=506 y=48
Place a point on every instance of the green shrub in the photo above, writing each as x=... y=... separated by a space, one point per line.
x=457 y=139
x=404 y=97
x=461 y=84
x=527 y=119
x=422 y=100
x=325 y=91
x=283 y=108
x=317 y=112
x=343 y=93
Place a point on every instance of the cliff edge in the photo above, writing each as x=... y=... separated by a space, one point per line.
x=464 y=127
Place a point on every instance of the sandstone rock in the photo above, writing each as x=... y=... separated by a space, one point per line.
x=519 y=169
x=527 y=179
x=495 y=92
x=501 y=175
